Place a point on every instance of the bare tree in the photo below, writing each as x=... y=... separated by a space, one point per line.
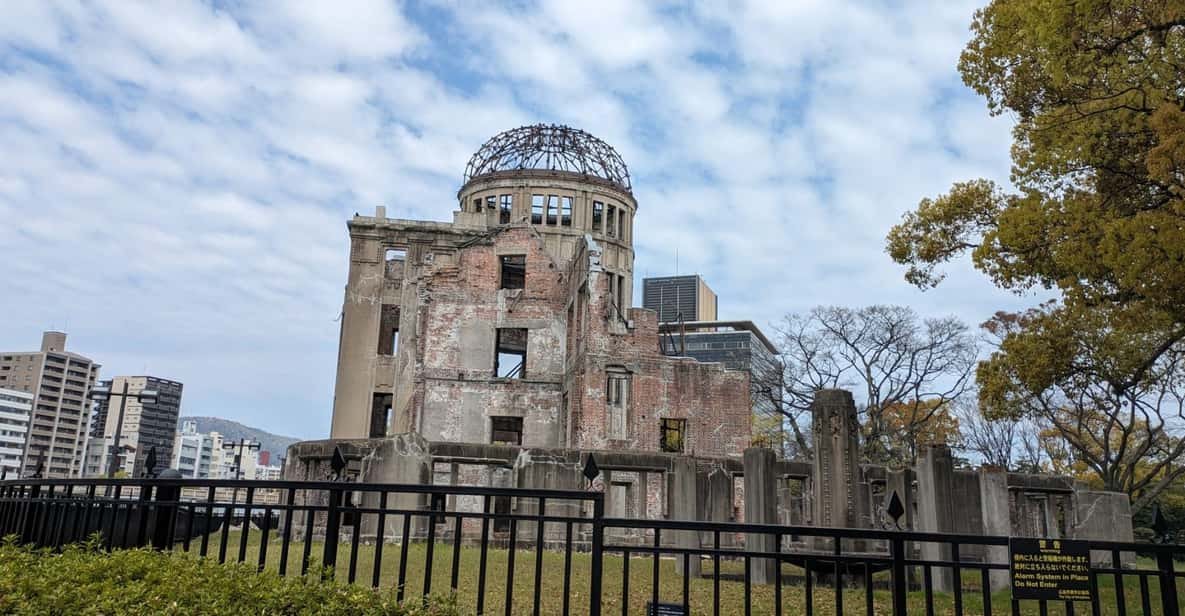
x=1006 y=442
x=889 y=355
x=1110 y=394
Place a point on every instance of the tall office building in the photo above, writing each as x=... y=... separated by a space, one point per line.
x=674 y=296
x=15 y=409
x=147 y=423
x=61 y=384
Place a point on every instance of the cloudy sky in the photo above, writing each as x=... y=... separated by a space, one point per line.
x=175 y=177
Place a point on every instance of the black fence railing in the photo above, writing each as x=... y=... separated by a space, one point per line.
x=514 y=551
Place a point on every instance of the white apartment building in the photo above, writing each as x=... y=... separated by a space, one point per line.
x=193 y=451
x=15 y=409
x=268 y=473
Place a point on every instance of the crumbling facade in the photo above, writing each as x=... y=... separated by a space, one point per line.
x=500 y=350
x=513 y=324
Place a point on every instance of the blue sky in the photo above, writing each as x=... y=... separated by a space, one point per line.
x=176 y=176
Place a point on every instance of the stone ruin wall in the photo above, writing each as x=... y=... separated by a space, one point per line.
x=755 y=487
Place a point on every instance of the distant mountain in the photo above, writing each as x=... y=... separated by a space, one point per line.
x=233 y=431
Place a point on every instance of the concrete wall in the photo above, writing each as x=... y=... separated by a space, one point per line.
x=1105 y=516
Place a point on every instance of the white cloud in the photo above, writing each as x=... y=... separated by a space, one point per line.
x=178 y=176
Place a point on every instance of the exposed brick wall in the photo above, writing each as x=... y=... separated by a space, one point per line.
x=460 y=305
x=714 y=401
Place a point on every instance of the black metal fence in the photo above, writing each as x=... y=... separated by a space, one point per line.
x=515 y=551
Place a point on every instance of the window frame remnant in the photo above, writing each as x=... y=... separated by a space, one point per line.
x=672 y=434
x=618 y=382
x=507 y=203
x=507 y=341
x=611 y=221
x=506 y=426
x=512 y=271
x=565 y=211
x=553 y=209
x=491 y=202
x=477 y=205
x=537 y=203
x=598 y=215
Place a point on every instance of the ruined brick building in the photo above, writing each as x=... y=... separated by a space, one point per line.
x=513 y=323
x=500 y=350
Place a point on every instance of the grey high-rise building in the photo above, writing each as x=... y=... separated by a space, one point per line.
x=679 y=297
x=146 y=424
x=61 y=384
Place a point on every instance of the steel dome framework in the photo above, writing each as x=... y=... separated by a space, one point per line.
x=551 y=147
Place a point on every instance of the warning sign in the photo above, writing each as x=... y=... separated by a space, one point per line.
x=1053 y=569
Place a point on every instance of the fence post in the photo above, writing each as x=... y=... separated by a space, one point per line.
x=333 y=531
x=899 y=581
x=32 y=512
x=598 y=547
x=1168 y=583
x=163 y=518
x=144 y=505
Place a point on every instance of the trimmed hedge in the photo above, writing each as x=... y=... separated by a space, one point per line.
x=83 y=579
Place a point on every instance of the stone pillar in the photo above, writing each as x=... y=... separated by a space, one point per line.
x=535 y=470
x=684 y=501
x=836 y=463
x=997 y=517
x=401 y=458
x=761 y=507
x=935 y=472
x=715 y=501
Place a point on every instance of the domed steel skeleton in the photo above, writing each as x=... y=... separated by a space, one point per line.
x=549 y=147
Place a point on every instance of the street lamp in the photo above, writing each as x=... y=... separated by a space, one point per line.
x=101 y=392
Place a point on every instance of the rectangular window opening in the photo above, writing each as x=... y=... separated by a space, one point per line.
x=617 y=396
x=566 y=211
x=671 y=437
x=388 y=330
x=477 y=205
x=514 y=271
x=537 y=209
x=380 y=415
x=504 y=209
x=611 y=222
x=553 y=206
x=506 y=430
x=491 y=203
x=620 y=297
x=510 y=355
x=598 y=215
x=621 y=224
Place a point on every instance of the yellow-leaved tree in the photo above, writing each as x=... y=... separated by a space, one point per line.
x=1096 y=212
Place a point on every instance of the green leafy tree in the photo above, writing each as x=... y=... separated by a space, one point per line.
x=1097 y=89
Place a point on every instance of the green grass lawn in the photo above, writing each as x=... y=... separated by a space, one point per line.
x=551 y=591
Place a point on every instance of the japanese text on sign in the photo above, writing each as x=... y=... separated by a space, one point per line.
x=1050 y=569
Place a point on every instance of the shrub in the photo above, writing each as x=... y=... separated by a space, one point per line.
x=83 y=579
